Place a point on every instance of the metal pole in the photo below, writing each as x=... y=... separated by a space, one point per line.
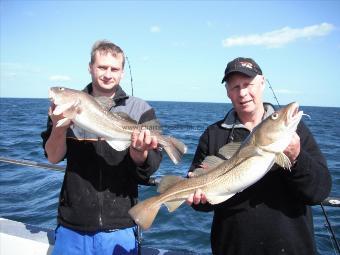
x=330 y=227
x=32 y=164
x=153 y=181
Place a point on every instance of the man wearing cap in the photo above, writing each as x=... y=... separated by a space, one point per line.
x=273 y=216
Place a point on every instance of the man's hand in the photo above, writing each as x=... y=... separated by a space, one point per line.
x=293 y=149
x=141 y=143
x=197 y=197
x=56 y=118
x=56 y=144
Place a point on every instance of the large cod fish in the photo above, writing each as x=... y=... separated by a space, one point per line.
x=247 y=164
x=90 y=114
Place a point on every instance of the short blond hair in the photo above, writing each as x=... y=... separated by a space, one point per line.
x=105 y=46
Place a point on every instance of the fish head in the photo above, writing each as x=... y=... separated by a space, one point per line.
x=275 y=132
x=62 y=95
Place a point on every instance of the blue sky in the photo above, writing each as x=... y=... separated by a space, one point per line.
x=178 y=50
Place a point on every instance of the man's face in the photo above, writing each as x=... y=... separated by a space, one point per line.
x=245 y=92
x=106 y=72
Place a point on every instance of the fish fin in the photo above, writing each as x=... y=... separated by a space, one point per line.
x=198 y=171
x=152 y=125
x=119 y=145
x=144 y=213
x=243 y=154
x=63 y=122
x=167 y=182
x=105 y=102
x=249 y=151
x=78 y=132
x=212 y=199
x=212 y=161
x=173 y=205
x=229 y=149
x=173 y=147
x=124 y=117
x=282 y=160
x=59 y=109
x=72 y=112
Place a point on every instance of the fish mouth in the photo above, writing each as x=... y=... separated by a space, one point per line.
x=293 y=115
x=50 y=94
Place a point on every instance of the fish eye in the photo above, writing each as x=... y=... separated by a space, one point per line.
x=275 y=115
x=61 y=88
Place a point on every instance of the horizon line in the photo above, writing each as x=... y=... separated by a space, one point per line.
x=174 y=101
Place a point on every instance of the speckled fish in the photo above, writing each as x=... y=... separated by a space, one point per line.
x=87 y=113
x=224 y=178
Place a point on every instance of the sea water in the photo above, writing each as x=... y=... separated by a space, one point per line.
x=30 y=195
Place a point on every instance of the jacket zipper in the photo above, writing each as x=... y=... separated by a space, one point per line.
x=100 y=199
x=100 y=193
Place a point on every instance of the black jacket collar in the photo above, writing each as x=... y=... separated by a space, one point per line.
x=231 y=120
x=119 y=95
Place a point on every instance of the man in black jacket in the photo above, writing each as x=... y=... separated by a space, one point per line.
x=273 y=216
x=101 y=184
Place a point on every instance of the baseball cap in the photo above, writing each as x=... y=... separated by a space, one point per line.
x=246 y=66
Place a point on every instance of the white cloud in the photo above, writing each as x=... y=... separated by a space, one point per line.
x=10 y=68
x=155 y=29
x=278 y=38
x=59 y=78
x=287 y=91
x=19 y=67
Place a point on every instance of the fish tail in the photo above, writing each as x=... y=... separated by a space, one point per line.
x=145 y=212
x=174 y=148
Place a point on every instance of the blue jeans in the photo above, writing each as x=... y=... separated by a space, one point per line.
x=117 y=242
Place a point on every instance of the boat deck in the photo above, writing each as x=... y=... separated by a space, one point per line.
x=20 y=238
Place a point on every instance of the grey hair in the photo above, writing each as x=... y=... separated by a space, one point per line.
x=105 y=46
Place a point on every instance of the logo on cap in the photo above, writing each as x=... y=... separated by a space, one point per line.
x=246 y=64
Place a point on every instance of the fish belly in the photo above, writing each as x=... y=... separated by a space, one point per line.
x=238 y=178
x=103 y=128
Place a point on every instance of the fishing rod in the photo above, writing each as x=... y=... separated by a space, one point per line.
x=271 y=88
x=330 y=227
x=328 y=201
x=131 y=80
